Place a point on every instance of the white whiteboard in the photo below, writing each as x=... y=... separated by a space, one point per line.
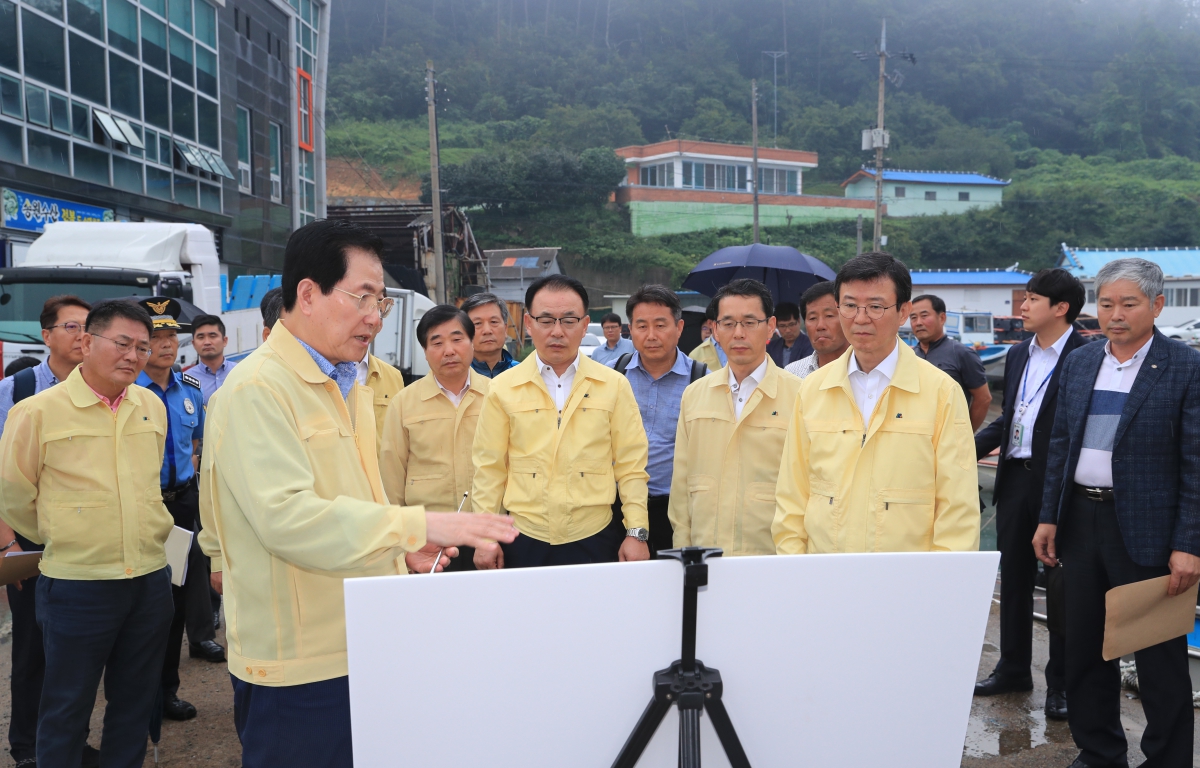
x=843 y=660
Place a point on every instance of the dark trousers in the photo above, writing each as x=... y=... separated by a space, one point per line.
x=28 y=664
x=294 y=725
x=192 y=605
x=1094 y=561
x=1017 y=506
x=602 y=547
x=661 y=532
x=117 y=628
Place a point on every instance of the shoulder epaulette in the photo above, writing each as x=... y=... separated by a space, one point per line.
x=190 y=379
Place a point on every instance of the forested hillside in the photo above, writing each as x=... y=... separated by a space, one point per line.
x=1092 y=106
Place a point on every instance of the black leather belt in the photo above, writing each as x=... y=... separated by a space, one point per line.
x=178 y=492
x=1094 y=494
x=1021 y=463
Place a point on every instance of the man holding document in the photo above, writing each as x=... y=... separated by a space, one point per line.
x=1122 y=505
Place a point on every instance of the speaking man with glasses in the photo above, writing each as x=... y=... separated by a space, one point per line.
x=879 y=454
x=558 y=436
x=62 y=323
x=79 y=472
x=731 y=423
x=293 y=503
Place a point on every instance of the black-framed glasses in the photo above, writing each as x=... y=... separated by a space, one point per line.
x=71 y=328
x=369 y=302
x=568 y=323
x=143 y=352
x=849 y=310
x=749 y=324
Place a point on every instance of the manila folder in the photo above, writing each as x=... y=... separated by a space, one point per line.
x=18 y=566
x=1140 y=615
x=179 y=541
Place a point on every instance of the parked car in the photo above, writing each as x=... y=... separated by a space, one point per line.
x=1189 y=331
x=591 y=342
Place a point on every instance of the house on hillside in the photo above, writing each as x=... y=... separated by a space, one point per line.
x=927 y=193
x=1180 y=266
x=687 y=186
x=999 y=291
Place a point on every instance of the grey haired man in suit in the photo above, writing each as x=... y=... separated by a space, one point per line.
x=1121 y=504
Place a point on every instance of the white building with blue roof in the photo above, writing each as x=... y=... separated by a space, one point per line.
x=999 y=291
x=1180 y=266
x=928 y=193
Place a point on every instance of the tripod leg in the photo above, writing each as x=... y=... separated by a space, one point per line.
x=647 y=724
x=724 y=728
x=689 y=738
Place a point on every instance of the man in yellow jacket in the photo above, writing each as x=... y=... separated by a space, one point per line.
x=558 y=436
x=430 y=427
x=879 y=454
x=79 y=472
x=709 y=351
x=731 y=423
x=385 y=382
x=293 y=503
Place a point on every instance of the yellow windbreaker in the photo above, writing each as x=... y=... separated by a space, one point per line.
x=706 y=353
x=385 y=382
x=292 y=505
x=558 y=477
x=426 y=456
x=906 y=484
x=723 y=486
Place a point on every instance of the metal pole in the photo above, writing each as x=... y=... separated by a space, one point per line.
x=775 y=61
x=858 y=250
x=754 y=133
x=879 y=147
x=437 y=270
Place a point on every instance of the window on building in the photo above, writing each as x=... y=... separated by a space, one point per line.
x=964 y=197
x=127 y=174
x=1194 y=297
x=206 y=71
x=900 y=191
x=714 y=176
x=661 y=175
x=8 y=36
x=931 y=195
x=154 y=42
x=45 y=52
x=1091 y=299
x=275 y=136
x=181 y=14
x=122 y=27
x=81 y=123
x=151 y=146
x=87 y=70
x=60 y=113
x=10 y=97
x=183 y=112
x=49 y=153
x=157 y=100
x=206 y=24
x=36 y=110
x=158 y=183
x=87 y=16
x=185 y=191
x=245 y=175
x=49 y=7
x=181 y=57
x=123 y=85
x=208 y=122
x=304 y=109
x=12 y=142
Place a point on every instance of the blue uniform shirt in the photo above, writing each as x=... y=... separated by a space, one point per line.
x=211 y=381
x=185 y=422
x=659 y=400
x=506 y=361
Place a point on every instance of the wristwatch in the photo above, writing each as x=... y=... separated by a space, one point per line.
x=641 y=534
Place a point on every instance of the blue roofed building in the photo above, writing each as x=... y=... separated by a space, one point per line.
x=1180 y=266
x=928 y=193
x=999 y=291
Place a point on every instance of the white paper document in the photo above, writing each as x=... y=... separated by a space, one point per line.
x=179 y=542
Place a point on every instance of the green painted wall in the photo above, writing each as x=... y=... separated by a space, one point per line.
x=914 y=203
x=669 y=218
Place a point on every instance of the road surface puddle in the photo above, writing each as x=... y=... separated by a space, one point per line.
x=1016 y=731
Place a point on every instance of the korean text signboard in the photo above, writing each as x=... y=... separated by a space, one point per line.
x=31 y=213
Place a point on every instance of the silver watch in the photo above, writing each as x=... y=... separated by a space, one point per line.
x=641 y=534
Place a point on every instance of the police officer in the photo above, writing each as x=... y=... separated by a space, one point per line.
x=184 y=400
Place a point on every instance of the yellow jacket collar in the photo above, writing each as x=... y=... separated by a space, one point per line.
x=82 y=395
x=907 y=377
x=284 y=344
x=427 y=386
x=769 y=385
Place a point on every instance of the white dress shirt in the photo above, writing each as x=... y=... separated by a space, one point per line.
x=558 y=386
x=1094 y=469
x=741 y=392
x=868 y=387
x=1038 y=371
x=454 y=397
x=360 y=369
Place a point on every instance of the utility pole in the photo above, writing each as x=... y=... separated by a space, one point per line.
x=858 y=250
x=754 y=134
x=435 y=271
x=775 y=56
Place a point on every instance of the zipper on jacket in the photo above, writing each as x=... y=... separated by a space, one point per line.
x=863 y=444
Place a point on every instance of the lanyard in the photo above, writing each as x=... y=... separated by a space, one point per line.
x=1025 y=388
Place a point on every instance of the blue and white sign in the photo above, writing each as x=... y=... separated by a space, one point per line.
x=31 y=213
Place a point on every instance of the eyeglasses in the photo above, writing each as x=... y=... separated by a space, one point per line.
x=369 y=302
x=749 y=324
x=71 y=328
x=850 y=310
x=568 y=323
x=143 y=352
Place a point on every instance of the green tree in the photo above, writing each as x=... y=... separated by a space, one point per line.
x=579 y=128
x=714 y=121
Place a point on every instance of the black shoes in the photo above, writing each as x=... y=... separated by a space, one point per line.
x=208 y=650
x=1056 y=704
x=994 y=684
x=1078 y=763
x=178 y=709
x=217 y=619
x=91 y=759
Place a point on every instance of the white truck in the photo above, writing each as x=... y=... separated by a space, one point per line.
x=106 y=260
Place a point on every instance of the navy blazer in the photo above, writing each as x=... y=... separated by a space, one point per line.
x=997 y=434
x=1156 y=451
x=800 y=350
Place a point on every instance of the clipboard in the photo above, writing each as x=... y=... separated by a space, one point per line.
x=1140 y=615
x=179 y=542
x=18 y=566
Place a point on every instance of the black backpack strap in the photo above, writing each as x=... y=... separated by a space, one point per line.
x=623 y=363
x=24 y=385
x=699 y=371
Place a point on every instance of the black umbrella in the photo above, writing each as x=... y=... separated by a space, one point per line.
x=786 y=272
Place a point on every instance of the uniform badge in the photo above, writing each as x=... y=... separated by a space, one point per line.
x=187 y=405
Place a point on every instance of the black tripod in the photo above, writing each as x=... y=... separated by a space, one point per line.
x=687 y=683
